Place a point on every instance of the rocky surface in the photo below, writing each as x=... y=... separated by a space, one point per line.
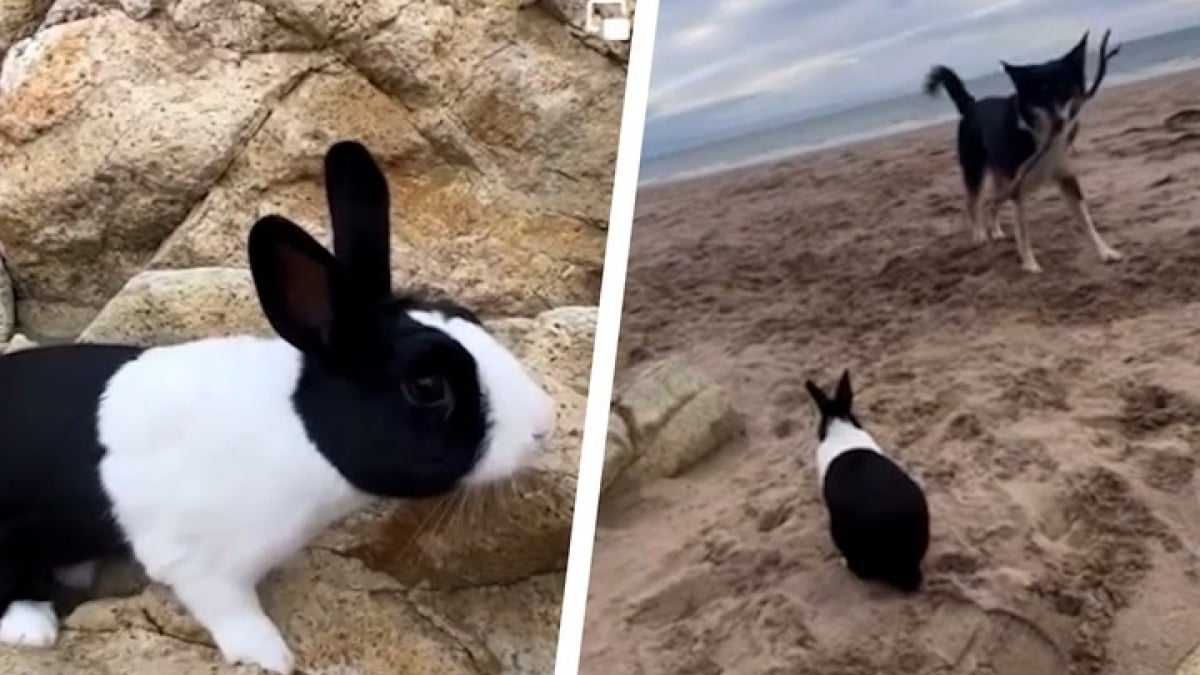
x=140 y=139
x=153 y=134
x=17 y=343
x=667 y=419
x=18 y=18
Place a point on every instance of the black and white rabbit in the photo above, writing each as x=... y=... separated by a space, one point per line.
x=215 y=460
x=878 y=515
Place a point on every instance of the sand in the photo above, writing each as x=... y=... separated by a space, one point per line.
x=1053 y=419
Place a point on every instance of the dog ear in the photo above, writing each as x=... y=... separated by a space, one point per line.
x=1078 y=53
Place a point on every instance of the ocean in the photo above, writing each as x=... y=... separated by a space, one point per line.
x=1139 y=59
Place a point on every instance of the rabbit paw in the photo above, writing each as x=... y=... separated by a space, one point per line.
x=258 y=644
x=29 y=624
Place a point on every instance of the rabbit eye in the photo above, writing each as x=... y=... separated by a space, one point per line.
x=430 y=392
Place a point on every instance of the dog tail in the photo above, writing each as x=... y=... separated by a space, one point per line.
x=941 y=77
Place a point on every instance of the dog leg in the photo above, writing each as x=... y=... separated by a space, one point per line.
x=1071 y=191
x=975 y=218
x=1000 y=187
x=1024 y=245
x=997 y=232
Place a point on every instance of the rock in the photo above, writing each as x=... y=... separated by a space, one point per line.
x=337 y=616
x=119 y=132
x=206 y=114
x=487 y=251
x=501 y=617
x=17 y=343
x=675 y=418
x=619 y=451
x=559 y=341
x=160 y=307
x=8 y=309
x=1191 y=664
x=574 y=14
x=18 y=18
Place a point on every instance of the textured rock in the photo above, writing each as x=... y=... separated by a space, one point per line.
x=449 y=237
x=674 y=418
x=501 y=617
x=17 y=343
x=337 y=616
x=1191 y=664
x=574 y=13
x=160 y=130
x=169 y=306
x=558 y=341
x=118 y=131
x=8 y=309
x=619 y=451
x=18 y=18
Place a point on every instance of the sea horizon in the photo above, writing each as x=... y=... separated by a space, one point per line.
x=1160 y=56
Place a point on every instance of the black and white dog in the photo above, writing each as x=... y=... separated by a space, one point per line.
x=1024 y=140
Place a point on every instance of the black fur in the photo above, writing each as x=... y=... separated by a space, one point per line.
x=993 y=133
x=878 y=515
x=53 y=511
x=365 y=358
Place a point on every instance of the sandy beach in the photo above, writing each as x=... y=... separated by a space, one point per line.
x=1052 y=419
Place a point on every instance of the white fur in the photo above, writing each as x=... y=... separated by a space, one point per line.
x=28 y=623
x=522 y=414
x=215 y=481
x=1055 y=160
x=841 y=437
x=1052 y=165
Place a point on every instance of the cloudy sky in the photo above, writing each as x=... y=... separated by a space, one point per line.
x=724 y=64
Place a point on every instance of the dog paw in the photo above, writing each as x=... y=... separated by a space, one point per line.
x=1032 y=267
x=1110 y=255
x=258 y=644
x=29 y=624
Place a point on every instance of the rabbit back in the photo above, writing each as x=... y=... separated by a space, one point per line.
x=879 y=518
x=53 y=508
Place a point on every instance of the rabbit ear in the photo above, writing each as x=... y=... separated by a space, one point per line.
x=845 y=395
x=295 y=279
x=358 y=209
x=818 y=396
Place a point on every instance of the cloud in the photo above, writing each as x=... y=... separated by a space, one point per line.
x=723 y=63
x=695 y=36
